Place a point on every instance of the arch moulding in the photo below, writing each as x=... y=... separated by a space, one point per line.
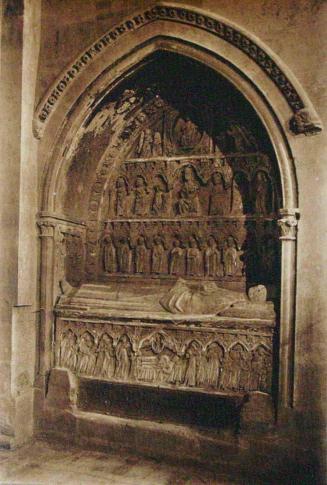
x=274 y=93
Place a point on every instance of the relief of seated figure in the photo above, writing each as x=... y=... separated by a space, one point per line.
x=189 y=202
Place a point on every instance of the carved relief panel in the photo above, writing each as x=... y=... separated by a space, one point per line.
x=224 y=360
x=179 y=175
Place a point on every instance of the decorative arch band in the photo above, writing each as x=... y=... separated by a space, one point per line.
x=188 y=18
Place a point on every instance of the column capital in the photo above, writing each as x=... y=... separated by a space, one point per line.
x=288 y=224
x=46 y=228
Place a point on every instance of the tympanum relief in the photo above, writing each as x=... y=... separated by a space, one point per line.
x=176 y=205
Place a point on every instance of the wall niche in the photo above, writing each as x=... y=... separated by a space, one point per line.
x=177 y=182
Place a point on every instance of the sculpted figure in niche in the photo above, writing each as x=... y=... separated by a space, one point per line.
x=193 y=355
x=217 y=198
x=144 y=149
x=159 y=204
x=124 y=256
x=240 y=194
x=215 y=356
x=123 y=357
x=86 y=354
x=158 y=258
x=232 y=368
x=212 y=259
x=105 y=362
x=68 y=350
x=261 y=370
x=121 y=197
x=157 y=144
x=177 y=374
x=140 y=203
x=231 y=258
x=109 y=254
x=245 y=377
x=261 y=193
x=189 y=203
x=176 y=259
x=187 y=134
x=165 y=366
x=194 y=258
x=141 y=255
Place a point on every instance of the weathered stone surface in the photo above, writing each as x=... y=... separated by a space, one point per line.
x=62 y=389
x=257 y=412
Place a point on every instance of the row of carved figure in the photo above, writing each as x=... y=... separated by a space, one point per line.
x=159 y=198
x=235 y=370
x=187 y=136
x=181 y=259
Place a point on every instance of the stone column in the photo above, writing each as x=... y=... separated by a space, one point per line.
x=11 y=55
x=288 y=235
x=47 y=236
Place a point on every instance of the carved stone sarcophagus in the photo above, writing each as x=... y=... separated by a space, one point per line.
x=122 y=334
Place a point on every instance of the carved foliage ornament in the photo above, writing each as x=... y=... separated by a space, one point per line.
x=187 y=17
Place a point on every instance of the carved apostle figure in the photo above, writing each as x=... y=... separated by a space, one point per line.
x=215 y=355
x=158 y=256
x=68 y=350
x=105 y=362
x=157 y=144
x=123 y=357
x=212 y=259
x=86 y=354
x=189 y=202
x=217 y=198
x=160 y=195
x=141 y=255
x=231 y=258
x=121 y=197
x=140 y=203
x=261 y=193
x=193 y=258
x=144 y=149
x=193 y=354
x=176 y=258
x=124 y=256
x=109 y=254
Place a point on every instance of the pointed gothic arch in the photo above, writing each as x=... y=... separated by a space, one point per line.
x=73 y=106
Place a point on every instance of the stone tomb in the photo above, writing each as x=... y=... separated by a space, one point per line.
x=165 y=283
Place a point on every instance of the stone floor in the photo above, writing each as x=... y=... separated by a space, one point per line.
x=48 y=463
